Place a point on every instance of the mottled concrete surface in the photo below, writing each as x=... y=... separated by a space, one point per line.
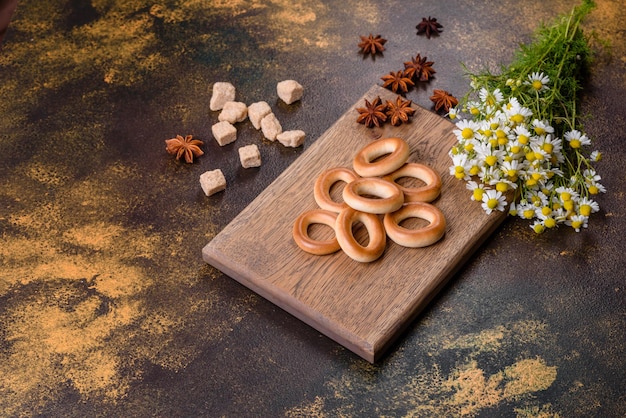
x=106 y=307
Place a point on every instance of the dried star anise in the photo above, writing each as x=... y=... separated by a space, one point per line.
x=372 y=44
x=397 y=81
x=400 y=111
x=186 y=146
x=443 y=99
x=419 y=68
x=429 y=27
x=373 y=114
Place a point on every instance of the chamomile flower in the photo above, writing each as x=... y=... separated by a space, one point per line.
x=595 y=156
x=478 y=189
x=466 y=129
x=518 y=114
x=587 y=206
x=493 y=200
x=576 y=139
x=577 y=222
x=491 y=98
x=542 y=127
x=452 y=113
x=512 y=135
x=538 y=226
x=538 y=81
x=459 y=168
x=566 y=193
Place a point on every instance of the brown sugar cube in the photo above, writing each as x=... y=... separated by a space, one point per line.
x=291 y=138
x=233 y=112
x=224 y=133
x=257 y=111
x=289 y=91
x=222 y=92
x=212 y=182
x=270 y=127
x=250 y=156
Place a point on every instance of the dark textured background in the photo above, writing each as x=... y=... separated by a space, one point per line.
x=106 y=307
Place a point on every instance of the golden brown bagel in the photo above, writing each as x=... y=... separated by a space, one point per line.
x=377 y=238
x=415 y=238
x=398 y=153
x=321 y=190
x=388 y=196
x=301 y=233
x=426 y=193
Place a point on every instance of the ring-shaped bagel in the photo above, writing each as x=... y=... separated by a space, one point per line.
x=321 y=190
x=388 y=196
x=415 y=238
x=398 y=153
x=426 y=193
x=377 y=238
x=301 y=232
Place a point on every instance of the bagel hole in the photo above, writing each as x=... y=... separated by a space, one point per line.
x=360 y=234
x=320 y=232
x=380 y=157
x=410 y=182
x=336 y=191
x=414 y=223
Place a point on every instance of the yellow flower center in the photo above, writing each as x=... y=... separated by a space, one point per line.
x=459 y=169
x=474 y=170
x=515 y=149
x=487 y=132
x=478 y=194
x=549 y=222
x=467 y=133
x=528 y=213
x=539 y=130
x=491 y=160
x=474 y=111
x=531 y=182
x=577 y=224
x=469 y=146
x=502 y=186
x=538 y=228
x=538 y=156
x=517 y=118
x=594 y=189
x=546 y=210
x=548 y=147
x=537 y=85
x=492 y=203
x=585 y=210
x=568 y=205
x=523 y=139
x=574 y=143
x=565 y=196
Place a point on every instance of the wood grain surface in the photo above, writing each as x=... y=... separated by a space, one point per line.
x=363 y=306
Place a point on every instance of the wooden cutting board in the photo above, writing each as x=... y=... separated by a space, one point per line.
x=362 y=306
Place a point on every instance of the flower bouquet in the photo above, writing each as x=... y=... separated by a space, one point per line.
x=519 y=133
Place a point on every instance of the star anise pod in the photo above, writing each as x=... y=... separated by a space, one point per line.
x=419 y=68
x=443 y=99
x=372 y=44
x=186 y=146
x=397 y=81
x=373 y=114
x=429 y=27
x=400 y=111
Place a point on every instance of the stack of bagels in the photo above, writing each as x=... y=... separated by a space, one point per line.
x=372 y=192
